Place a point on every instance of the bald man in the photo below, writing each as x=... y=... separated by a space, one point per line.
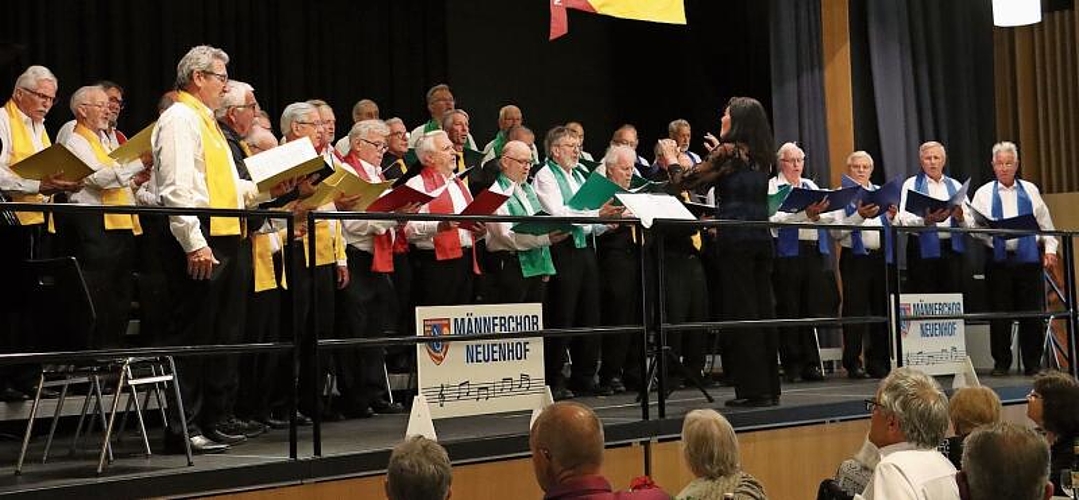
x=566 y=442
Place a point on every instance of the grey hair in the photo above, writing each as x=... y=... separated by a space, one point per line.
x=200 y=58
x=860 y=155
x=1006 y=147
x=394 y=121
x=518 y=131
x=553 y=136
x=293 y=112
x=30 y=78
x=614 y=152
x=436 y=89
x=447 y=117
x=1006 y=460
x=930 y=145
x=675 y=125
x=81 y=96
x=709 y=444
x=260 y=138
x=426 y=145
x=235 y=96
x=918 y=403
x=365 y=127
x=356 y=108
x=505 y=109
x=419 y=469
x=787 y=147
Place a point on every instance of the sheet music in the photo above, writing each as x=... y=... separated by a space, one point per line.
x=469 y=391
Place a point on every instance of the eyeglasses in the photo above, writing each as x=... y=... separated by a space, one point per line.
x=380 y=146
x=39 y=95
x=254 y=106
x=569 y=146
x=870 y=404
x=116 y=102
x=401 y=133
x=98 y=105
x=315 y=124
x=222 y=77
x=525 y=161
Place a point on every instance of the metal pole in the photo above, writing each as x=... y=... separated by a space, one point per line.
x=311 y=341
x=1070 y=288
x=294 y=360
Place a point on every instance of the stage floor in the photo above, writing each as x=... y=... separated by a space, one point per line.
x=360 y=447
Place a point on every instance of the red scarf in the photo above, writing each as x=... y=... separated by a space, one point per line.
x=447 y=243
x=382 y=244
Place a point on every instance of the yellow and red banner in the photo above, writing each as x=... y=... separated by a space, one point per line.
x=659 y=11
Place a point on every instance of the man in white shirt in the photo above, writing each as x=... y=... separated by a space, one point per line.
x=573 y=298
x=909 y=418
x=798 y=273
x=103 y=245
x=1005 y=460
x=439 y=101
x=934 y=259
x=1013 y=266
x=442 y=251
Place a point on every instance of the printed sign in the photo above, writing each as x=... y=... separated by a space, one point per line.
x=484 y=376
x=936 y=347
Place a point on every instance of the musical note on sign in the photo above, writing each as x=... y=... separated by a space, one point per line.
x=471 y=391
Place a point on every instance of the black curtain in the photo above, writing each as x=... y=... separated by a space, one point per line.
x=798 y=84
x=923 y=70
x=491 y=52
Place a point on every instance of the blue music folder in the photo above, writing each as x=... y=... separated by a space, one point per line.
x=1025 y=222
x=919 y=204
x=800 y=198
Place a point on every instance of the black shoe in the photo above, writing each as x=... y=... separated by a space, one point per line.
x=381 y=407
x=200 y=445
x=224 y=438
x=759 y=402
x=253 y=428
x=813 y=375
x=273 y=423
x=233 y=426
x=9 y=395
x=857 y=373
x=560 y=393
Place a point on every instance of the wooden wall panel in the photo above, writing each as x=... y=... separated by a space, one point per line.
x=838 y=100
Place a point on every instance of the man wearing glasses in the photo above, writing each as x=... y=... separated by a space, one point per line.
x=909 y=417
x=115 y=95
x=439 y=101
x=22 y=133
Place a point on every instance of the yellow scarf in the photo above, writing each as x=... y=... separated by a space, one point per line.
x=22 y=147
x=262 y=252
x=220 y=182
x=116 y=197
x=329 y=244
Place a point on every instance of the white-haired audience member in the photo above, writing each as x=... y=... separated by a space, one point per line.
x=419 y=469
x=710 y=449
x=1005 y=460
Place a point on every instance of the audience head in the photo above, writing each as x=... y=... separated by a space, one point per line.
x=329 y=121
x=238 y=107
x=681 y=133
x=436 y=151
x=563 y=146
x=440 y=100
x=455 y=123
x=744 y=121
x=301 y=119
x=1053 y=403
x=419 y=469
x=202 y=73
x=973 y=407
x=566 y=441
x=90 y=105
x=35 y=92
x=364 y=109
x=367 y=140
x=791 y=160
x=260 y=139
x=618 y=164
x=167 y=100
x=626 y=135
x=932 y=157
x=709 y=445
x=398 y=138
x=508 y=117
x=860 y=167
x=910 y=407
x=516 y=161
x=116 y=100
x=1005 y=162
x=1005 y=460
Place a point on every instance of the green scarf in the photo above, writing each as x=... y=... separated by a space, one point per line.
x=537 y=261
x=499 y=143
x=579 y=240
x=431 y=126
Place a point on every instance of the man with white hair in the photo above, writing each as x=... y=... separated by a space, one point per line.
x=681 y=133
x=509 y=116
x=195 y=168
x=394 y=163
x=103 y=245
x=908 y=421
x=329 y=129
x=798 y=272
x=116 y=103
x=22 y=133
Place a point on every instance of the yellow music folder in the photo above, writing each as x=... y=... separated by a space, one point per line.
x=135 y=147
x=50 y=161
x=290 y=160
x=347 y=183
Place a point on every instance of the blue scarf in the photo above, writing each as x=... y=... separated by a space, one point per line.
x=1028 y=245
x=929 y=241
x=788 y=239
x=856 y=244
